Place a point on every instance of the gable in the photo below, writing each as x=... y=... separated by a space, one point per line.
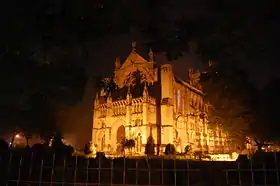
x=133 y=59
x=134 y=63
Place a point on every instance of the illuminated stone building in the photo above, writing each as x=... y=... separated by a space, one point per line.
x=149 y=100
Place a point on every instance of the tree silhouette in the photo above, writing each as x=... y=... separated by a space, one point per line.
x=187 y=149
x=265 y=127
x=3 y=145
x=59 y=148
x=231 y=97
x=170 y=149
x=150 y=146
x=87 y=149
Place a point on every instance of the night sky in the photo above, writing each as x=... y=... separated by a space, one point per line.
x=257 y=51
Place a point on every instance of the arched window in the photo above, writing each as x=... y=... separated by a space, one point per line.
x=103 y=125
x=137 y=122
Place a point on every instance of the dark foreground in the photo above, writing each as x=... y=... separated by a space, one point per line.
x=49 y=170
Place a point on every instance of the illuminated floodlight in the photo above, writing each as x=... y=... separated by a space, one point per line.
x=17 y=136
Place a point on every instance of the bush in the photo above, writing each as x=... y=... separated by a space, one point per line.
x=4 y=146
x=187 y=149
x=87 y=149
x=39 y=149
x=150 y=146
x=170 y=149
x=59 y=148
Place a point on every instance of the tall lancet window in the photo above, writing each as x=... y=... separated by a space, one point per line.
x=138 y=142
x=179 y=101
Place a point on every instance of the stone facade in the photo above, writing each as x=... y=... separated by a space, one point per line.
x=149 y=100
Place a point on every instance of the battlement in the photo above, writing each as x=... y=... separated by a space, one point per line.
x=119 y=107
x=166 y=67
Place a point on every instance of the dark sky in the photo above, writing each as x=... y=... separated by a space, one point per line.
x=266 y=23
x=260 y=71
x=256 y=51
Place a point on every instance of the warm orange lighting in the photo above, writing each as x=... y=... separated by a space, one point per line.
x=224 y=157
x=182 y=111
x=17 y=136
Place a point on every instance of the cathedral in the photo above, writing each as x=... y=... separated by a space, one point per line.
x=143 y=99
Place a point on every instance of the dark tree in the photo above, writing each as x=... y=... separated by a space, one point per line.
x=130 y=144
x=150 y=146
x=231 y=99
x=187 y=149
x=87 y=149
x=40 y=149
x=3 y=145
x=108 y=85
x=170 y=149
x=265 y=127
x=59 y=148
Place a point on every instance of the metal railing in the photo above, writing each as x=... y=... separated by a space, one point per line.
x=29 y=170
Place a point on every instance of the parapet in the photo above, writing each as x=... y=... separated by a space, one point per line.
x=166 y=67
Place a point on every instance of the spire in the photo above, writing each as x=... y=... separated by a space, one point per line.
x=109 y=98
x=96 y=101
x=151 y=55
x=145 y=93
x=128 y=95
x=117 y=63
x=134 y=45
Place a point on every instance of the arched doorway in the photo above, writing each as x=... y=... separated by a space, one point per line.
x=120 y=134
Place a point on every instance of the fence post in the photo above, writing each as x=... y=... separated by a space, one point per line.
x=31 y=166
x=149 y=169
x=162 y=171
x=87 y=163
x=239 y=173
x=112 y=170
x=227 y=176
x=99 y=167
x=188 y=172
x=41 y=171
x=9 y=168
x=64 y=167
x=175 y=171
x=75 y=170
x=19 y=171
x=264 y=173
x=136 y=171
x=53 y=160
x=276 y=168
x=124 y=165
x=252 y=172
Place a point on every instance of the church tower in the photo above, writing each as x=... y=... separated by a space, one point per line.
x=167 y=103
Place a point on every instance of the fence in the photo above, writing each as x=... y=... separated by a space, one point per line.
x=30 y=170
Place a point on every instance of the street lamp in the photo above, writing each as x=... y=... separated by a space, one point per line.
x=17 y=136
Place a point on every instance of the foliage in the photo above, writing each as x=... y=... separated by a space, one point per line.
x=266 y=110
x=170 y=149
x=3 y=145
x=87 y=149
x=130 y=144
x=108 y=85
x=39 y=66
x=57 y=140
x=150 y=146
x=40 y=149
x=127 y=144
x=231 y=99
x=59 y=148
x=120 y=149
x=187 y=149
